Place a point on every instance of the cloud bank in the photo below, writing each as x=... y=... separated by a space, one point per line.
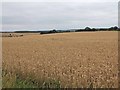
x=58 y=15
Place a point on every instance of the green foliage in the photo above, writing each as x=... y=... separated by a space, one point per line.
x=13 y=81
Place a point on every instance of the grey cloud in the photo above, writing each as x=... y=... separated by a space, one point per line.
x=59 y=15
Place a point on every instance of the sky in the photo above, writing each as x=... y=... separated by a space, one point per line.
x=58 y=15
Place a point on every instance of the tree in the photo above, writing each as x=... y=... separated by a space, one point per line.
x=87 y=29
x=93 y=29
x=115 y=28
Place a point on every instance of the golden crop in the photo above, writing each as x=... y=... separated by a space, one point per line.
x=85 y=59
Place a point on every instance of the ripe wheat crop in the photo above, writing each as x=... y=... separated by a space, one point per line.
x=85 y=59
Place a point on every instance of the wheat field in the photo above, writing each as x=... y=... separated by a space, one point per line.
x=82 y=59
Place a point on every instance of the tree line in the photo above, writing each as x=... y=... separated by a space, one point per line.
x=115 y=28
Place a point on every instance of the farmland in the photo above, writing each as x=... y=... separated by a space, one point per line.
x=82 y=59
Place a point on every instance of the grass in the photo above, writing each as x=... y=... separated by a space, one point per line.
x=15 y=81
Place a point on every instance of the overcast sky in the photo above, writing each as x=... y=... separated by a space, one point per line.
x=58 y=15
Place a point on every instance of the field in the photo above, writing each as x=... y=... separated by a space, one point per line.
x=15 y=34
x=82 y=59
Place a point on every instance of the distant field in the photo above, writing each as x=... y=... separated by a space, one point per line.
x=85 y=59
x=16 y=34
